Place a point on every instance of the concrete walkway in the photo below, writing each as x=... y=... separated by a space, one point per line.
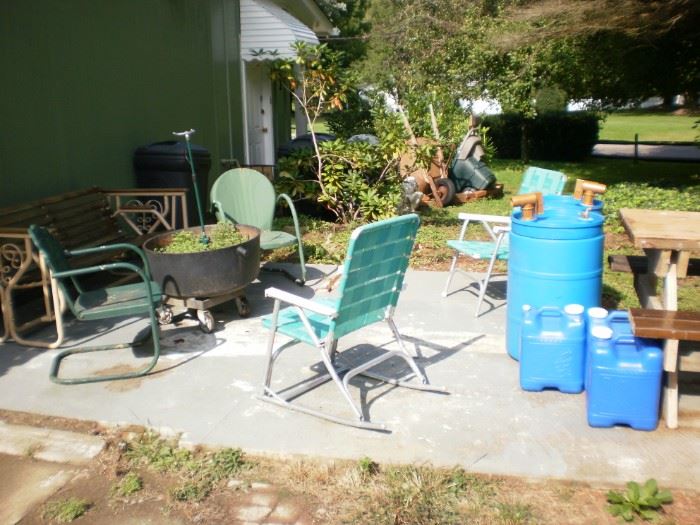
x=205 y=385
x=665 y=152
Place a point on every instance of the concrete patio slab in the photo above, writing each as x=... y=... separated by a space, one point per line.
x=205 y=385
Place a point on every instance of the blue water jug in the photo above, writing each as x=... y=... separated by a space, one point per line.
x=554 y=260
x=553 y=348
x=623 y=380
x=617 y=320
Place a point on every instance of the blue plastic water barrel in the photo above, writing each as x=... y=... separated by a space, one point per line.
x=568 y=203
x=555 y=259
x=553 y=348
x=623 y=380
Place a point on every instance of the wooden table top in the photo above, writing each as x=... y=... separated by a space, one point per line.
x=662 y=229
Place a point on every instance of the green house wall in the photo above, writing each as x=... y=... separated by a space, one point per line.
x=85 y=83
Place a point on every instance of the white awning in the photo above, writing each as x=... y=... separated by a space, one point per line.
x=267 y=27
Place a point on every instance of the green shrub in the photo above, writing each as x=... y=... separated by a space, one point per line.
x=561 y=136
x=355 y=118
x=358 y=182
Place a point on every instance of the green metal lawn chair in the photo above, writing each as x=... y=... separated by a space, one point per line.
x=372 y=278
x=547 y=182
x=246 y=196
x=140 y=298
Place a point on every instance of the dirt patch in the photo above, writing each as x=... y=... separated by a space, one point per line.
x=288 y=490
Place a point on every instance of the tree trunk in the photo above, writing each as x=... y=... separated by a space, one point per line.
x=525 y=141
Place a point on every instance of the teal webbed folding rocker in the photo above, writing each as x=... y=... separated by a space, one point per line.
x=246 y=196
x=495 y=248
x=141 y=298
x=372 y=279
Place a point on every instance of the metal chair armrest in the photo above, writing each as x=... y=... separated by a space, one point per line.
x=290 y=203
x=108 y=267
x=295 y=300
x=113 y=247
x=499 y=219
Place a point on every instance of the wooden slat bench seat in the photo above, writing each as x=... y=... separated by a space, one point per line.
x=674 y=327
x=640 y=264
x=83 y=218
x=665 y=324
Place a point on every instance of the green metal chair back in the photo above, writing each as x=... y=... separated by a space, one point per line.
x=244 y=196
x=373 y=273
x=547 y=182
x=55 y=256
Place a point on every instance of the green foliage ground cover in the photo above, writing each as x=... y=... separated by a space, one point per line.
x=651 y=126
x=658 y=185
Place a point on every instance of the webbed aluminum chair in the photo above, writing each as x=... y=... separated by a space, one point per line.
x=246 y=196
x=372 y=279
x=141 y=298
x=547 y=182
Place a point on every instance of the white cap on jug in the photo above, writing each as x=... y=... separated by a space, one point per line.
x=527 y=308
x=574 y=309
x=597 y=312
x=602 y=332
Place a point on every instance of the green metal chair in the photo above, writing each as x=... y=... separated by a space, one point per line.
x=126 y=300
x=372 y=279
x=246 y=196
x=547 y=182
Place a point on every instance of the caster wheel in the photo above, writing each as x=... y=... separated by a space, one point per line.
x=206 y=321
x=242 y=306
x=165 y=315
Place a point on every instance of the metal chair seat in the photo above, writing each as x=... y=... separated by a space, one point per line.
x=480 y=249
x=271 y=240
x=128 y=299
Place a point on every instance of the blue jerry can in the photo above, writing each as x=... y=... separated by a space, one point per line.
x=623 y=380
x=617 y=320
x=553 y=348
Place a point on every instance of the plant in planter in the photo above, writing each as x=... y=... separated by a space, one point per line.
x=223 y=235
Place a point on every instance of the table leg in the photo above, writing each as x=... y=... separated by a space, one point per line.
x=670 y=302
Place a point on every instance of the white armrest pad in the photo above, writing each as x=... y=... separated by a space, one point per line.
x=501 y=219
x=500 y=229
x=295 y=300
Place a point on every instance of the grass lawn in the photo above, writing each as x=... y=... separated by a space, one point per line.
x=662 y=127
x=659 y=185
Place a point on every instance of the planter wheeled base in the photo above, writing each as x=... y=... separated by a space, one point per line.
x=198 y=308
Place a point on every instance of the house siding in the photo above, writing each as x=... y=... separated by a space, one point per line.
x=85 y=83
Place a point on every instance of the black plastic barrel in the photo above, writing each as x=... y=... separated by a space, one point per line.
x=164 y=165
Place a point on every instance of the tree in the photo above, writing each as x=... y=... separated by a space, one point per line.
x=625 y=49
x=349 y=17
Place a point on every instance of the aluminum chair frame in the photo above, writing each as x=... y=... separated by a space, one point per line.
x=498 y=228
x=371 y=282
